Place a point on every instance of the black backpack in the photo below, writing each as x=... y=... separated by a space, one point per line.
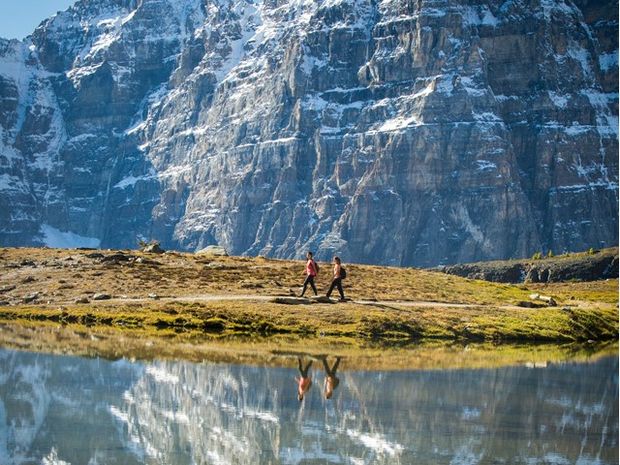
x=343 y=272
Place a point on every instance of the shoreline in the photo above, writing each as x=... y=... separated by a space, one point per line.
x=282 y=351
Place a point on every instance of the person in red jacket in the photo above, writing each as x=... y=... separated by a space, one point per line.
x=312 y=269
x=339 y=275
x=331 y=380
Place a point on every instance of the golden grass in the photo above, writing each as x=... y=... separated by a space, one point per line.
x=585 y=311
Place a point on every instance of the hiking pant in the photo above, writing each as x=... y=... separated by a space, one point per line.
x=336 y=282
x=303 y=371
x=309 y=280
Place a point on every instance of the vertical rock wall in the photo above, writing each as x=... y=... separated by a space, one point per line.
x=396 y=132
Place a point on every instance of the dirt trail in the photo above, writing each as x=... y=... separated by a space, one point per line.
x=301 y=301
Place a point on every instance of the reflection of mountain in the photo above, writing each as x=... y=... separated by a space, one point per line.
x=55 y=409
x=90 y=411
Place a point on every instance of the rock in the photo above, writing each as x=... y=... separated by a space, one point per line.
x=81 y=300
x=101 y=296
x=117 y=258
x=28 y=279
x=4 y=303
x=94 y=256
x=549 y=300
x=153 y=296
x=6 y=289
x=213 y=251
x=153 y=248
x=31 y=297
x=574 y=267
x=388 y=132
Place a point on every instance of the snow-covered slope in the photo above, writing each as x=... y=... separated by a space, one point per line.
x=385 y=131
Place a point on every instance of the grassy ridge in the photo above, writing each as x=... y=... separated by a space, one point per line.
x=43 y=284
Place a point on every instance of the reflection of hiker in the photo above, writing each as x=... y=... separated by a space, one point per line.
x=339 y=275
x=312 y=269
x=331 y=380
x=304 y=381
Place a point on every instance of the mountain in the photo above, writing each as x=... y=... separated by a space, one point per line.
x=396 y=132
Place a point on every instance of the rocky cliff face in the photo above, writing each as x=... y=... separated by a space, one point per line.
x=396 y=132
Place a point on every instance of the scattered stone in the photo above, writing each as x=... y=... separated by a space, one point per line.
x=153 y=296
x=30 y=297
x=4 y=303
x=550 y=300
x=28 y=263
x=146 y=261
x=6 y=289
x=216 y=266
x=101 y=296
x=82 y=300
x=117 y=258
x=94 y=256
x=153 y=247
x=213 y=251
x=28 y=279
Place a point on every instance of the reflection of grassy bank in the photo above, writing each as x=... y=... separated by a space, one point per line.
x=282 y=350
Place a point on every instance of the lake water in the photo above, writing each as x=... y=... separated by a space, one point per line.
x=71 y=410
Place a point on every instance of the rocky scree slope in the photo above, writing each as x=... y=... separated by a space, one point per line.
x=393 y=132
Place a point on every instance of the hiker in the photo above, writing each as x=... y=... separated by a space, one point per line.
x=339 y=275
x=304 y=381
x=312 y=269
x=331 y=380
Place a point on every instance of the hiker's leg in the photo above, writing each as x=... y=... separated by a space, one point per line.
x=307 y=367
x=335 y=367
x=325 y=365
x=301 y=370
x=313 y=285
x=331 y=288
x=339 y=284
x=306 y=285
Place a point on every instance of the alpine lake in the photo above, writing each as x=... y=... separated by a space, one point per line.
x=237 y=402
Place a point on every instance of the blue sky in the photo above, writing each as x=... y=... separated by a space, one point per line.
x=18 y=18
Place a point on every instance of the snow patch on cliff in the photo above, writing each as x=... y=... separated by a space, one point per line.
x=56 y=238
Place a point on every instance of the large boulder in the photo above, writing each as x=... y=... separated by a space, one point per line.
x=213 y=251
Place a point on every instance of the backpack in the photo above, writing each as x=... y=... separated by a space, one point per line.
x=343 y=272
x=316 y=266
